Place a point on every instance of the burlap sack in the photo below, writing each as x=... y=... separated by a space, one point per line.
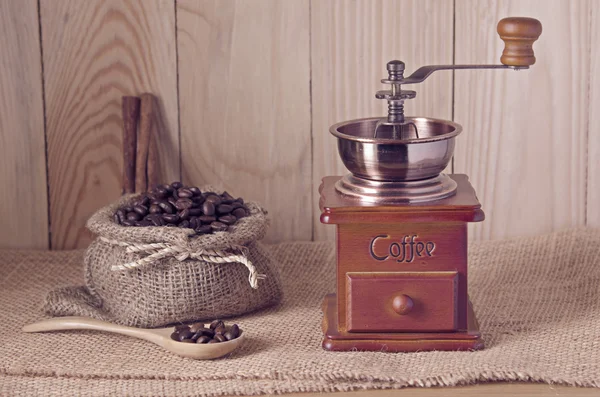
x=153 y=276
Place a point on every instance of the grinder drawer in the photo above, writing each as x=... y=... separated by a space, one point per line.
x=401 y=301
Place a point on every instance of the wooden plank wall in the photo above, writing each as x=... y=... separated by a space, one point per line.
x=525 y=133
x=248 y=91
x=593 y=128
x=94 y=53
x=24 y=204
x=244 y=76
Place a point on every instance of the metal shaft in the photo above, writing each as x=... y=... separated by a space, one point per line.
x=395 y=70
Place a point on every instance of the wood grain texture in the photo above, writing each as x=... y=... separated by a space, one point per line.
x=593 y=132
x=24 y=209
x=351 y=42
x=94 y=53
x=524 y=133
x=431 y=295
x=245 y=106
x=337 y=339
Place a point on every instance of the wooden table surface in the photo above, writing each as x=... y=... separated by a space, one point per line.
x=484 y=389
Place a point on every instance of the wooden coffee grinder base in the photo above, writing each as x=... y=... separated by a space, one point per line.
x=401 y=273
x=336 y=340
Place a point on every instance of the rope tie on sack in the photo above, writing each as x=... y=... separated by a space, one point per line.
x=157 y=251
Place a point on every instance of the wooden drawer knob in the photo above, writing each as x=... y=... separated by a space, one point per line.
x=402 y=304
x=518 y=34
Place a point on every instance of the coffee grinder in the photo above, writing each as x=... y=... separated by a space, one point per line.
x=401 y=223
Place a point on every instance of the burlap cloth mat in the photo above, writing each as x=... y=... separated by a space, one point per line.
x=537 y=300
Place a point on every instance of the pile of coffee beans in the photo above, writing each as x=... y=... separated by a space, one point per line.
x=197 y=333
x=176 y=205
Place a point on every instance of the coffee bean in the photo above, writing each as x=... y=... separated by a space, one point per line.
x=204 y=229
x=239 y=213
x=171 y=218
x=195 y=211
x=166 y=207
x=141 y=209
x=185 y=335
x=168 y=188
x=183 y=203
x=224 y=209
x=154 y=209
x=208 y=332
x=184 y=192
x=122 y=216
x=208 y=208
x=133 y=216
x=182 y=206
x=220 y=338
x=197 y=202
x=156 y=220
x=213 y=198
x=197 y=327
x=220 y=330
x=197 y=333
x=234 y=330
x=161 y=192
x=184 y=215
x=228 y=219
x=218 y=226
x=207 y=219
x=216 y=324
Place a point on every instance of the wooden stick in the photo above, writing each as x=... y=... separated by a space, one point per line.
x=146 y=125
x=152 y=166
x=131 y=111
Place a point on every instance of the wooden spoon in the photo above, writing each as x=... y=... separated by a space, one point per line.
x=160 y=336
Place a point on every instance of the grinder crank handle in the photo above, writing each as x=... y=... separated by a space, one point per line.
x=518 y=34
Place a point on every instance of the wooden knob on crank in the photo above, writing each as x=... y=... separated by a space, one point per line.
x=518 y=34
x=402 y=304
